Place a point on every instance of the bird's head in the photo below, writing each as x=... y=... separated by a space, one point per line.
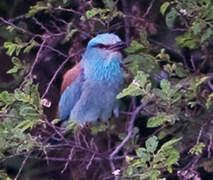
x=107 y=45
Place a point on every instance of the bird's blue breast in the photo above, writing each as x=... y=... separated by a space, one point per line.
x=103 y=81
x=99 y=67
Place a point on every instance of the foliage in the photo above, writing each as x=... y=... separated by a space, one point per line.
x=199 y=17
x=197 y=149
x=166 y=103
x=149 y=162
x=20 y=112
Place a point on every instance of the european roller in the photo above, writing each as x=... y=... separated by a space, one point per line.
x=89 y=89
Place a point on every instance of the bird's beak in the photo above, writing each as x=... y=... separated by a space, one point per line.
x=118 y=46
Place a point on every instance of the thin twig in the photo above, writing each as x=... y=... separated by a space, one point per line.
x=148 y=9
x=130 y=128
x=22 y=165
x=90 y=161
x=17 y=27
x=41 y=25
x=34 y=63
x=56 y=73
x=68 y=160
x=126 y=22
x=209 y=146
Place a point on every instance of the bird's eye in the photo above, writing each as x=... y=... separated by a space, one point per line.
x=102 y=46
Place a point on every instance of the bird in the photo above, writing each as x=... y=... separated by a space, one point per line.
x=89 y=89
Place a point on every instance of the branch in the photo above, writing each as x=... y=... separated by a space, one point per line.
x=34 y=63
x=57 y=71
x=17 y=27
x=22 y=166
x=90 y=161
x=148 y=9
x=130 y=127
x=126 y=22
x=68 y=160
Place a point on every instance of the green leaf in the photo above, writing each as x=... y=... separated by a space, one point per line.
x=23 y=97
x=180 y=71
x=143 y=154
x=129 y=171
x=154 y=174
x=7 y=97
x=144 y=39
x=28 y=111
x=160 y=119
x=151 y=144
x=134 y=47
x=92 y=12
x=69 y=35
x=188 y=40
x=169 y=144
x=207 y=35
x=165 y=85
x=197 y=149
x=10 y=46
x=173 y=157
x=143 y=62
x=209 y=101
x=171 y=18
x=66 y=1
x=164 y=7
x=27 y=49
x=40 y=6
x=197 y=81
x=197 y=27
x=109 y=4
x=140 y=86
x=17 y=66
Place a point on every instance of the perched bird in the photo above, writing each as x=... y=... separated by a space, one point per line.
x=89 y=89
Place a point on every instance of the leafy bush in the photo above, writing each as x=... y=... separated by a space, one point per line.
x=164 y=128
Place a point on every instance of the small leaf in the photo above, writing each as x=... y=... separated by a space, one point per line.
x=28 y=48
x=92 y=12
x=141 y=85
x=164 y=7
x=17 y=66
x=171 y=17
x=7 y=97
x=143 y=154
x=206 y=35
x=151 y=144
x=11 y=48
x=168 y=144
x=197 y=149
x=188 y=40
x=21 y=96
x=160 y=119
x=197 y=27
x=134 y=47
x=109 y=3
x=154 y=174
x=40 y=6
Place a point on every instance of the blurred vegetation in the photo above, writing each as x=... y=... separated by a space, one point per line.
x=165 y=127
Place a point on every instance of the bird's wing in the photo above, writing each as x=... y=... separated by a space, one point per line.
x=70 y=90
x=70 y=76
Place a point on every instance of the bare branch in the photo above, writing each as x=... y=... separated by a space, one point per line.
x=68 y=160
x=57 y=71
x=130 y=128
x=149 y=8
x=90 y=161
x=18 y=28
x=22 y=165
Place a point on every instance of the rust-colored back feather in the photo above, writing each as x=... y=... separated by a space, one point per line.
x=70 y=76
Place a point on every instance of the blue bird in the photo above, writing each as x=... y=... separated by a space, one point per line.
x=89 y=89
